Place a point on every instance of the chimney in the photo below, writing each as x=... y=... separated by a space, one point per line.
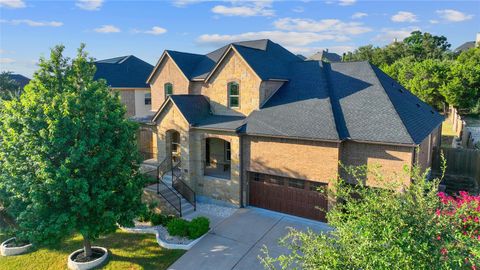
x=477 y=41
x=327 y=48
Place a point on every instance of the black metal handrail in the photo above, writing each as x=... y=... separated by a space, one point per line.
x=162 y=169
x=177 y=203
x=182 y=188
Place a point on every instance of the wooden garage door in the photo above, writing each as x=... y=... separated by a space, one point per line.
x=292 y=196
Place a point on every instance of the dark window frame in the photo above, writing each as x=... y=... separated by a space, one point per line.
x=168 y=89
x=233 y=96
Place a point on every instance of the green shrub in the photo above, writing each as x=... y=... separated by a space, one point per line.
x=178 y=227
x=145 y=215
x=198 y=227
x=160 y=219
x=156 y=219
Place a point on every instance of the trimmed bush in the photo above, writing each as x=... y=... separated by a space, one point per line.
x=198 y=227
x=178 y=227
x=145 y=215
x=160 y=219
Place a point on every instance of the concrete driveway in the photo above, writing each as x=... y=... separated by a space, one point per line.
x=236 y=242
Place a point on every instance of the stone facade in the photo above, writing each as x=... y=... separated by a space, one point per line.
x=168 y=72
x=233 y=69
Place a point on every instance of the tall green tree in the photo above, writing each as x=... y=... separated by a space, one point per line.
x=9 y=88
x=426 y=46
x=69 y=156
x=462 y=84
x=424 y=78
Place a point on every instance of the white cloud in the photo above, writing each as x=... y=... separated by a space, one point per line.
x=245 y=9
x=389 y=34
x=404 y=16
x=7 y=60
x=12 y=3
x=298 y=9
x=359 y=15
x=33 y=23
x=183 y=3
x=107 y=29
x=156 y=30
x=346 y=2
x=454 y=15
x=89 y=4
x=434 y=21
x=333 y=26
x=285 y=38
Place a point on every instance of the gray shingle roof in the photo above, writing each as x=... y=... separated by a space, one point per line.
x=268 y=59
x=301 y=108
x=19 y=79
x=325 y=56
x=196 y=110
x=125 y=71
x=465 y=46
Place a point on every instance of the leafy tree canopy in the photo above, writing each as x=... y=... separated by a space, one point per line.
x=69 y=158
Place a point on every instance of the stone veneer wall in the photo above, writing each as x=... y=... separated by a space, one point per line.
x=167 y=72
x=233 y=68
x=215 y=188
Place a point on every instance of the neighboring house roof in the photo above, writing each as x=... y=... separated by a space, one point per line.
x=125 y=71
x=319 y=100
x=325 y=56
x=20 y=79
x=268 y=60
x=465 y=46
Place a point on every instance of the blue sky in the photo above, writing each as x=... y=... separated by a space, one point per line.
x=29 y=28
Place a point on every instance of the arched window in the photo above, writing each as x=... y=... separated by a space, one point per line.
x=168 y=87
x=233 y=95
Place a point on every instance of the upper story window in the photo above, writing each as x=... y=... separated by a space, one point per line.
x=168 y=87
x=148 y=98
x=233 y=95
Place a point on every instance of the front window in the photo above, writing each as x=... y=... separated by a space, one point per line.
x=233 y=95
x=168 y=87
x=227 y=151
x=148 y=98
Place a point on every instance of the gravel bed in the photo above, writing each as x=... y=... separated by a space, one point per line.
x=216 y=210
x=162 y=233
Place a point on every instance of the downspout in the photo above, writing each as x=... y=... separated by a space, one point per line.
x=241 y=170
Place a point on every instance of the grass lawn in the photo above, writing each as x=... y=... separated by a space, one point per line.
x=127 y=251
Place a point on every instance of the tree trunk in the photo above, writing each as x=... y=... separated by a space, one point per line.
x=87 y=247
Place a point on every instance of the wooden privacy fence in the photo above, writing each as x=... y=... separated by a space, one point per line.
x=461 y=162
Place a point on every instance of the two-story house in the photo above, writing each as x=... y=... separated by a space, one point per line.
x=253 y=124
